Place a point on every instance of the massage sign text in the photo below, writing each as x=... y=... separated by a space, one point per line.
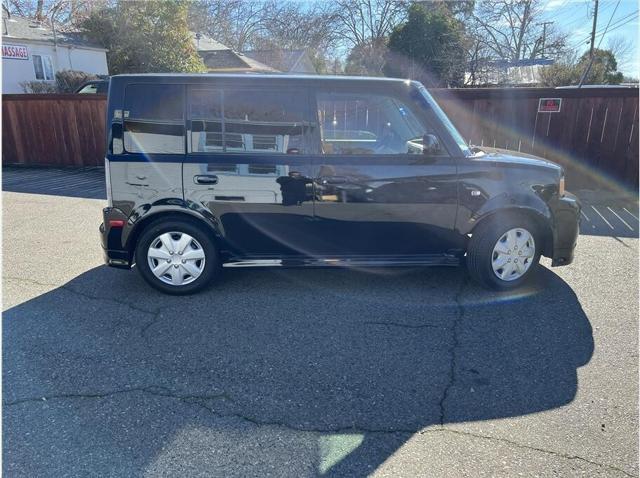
x=15 y=52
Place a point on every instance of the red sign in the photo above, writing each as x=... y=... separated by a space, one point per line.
x=549 y=105
x=15 y=52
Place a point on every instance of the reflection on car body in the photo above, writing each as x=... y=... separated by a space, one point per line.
x=250 y=169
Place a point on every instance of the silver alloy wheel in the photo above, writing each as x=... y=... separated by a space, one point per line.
x=513 y=254
x=176 y=258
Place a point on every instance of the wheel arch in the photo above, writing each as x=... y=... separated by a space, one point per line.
x=541 y=222
x=205 y=224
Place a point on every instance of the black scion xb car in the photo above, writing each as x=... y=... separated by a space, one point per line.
x=212 y=171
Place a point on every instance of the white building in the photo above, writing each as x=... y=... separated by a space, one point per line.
x=36 y=51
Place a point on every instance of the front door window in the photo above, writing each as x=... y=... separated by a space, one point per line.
x=359 y=124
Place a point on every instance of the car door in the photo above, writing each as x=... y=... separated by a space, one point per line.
x=247 y=164
x=376 y=192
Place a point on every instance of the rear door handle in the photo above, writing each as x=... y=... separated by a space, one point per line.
x=205 y=179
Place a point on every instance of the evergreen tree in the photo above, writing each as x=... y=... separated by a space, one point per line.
x=429 y=47
x=145 y=36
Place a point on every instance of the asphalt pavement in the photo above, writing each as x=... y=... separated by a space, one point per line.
x=276 y=372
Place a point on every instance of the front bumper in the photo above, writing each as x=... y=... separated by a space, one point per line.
x=114 y=254
x=566 y=226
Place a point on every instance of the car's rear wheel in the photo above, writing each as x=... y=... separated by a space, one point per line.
x=504 y=252
x=176 y=257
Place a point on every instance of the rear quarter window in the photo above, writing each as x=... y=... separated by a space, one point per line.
x=247 y=120
x=153 y=118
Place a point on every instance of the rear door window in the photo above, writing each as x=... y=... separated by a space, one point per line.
x=246 y=120
x=154 y=119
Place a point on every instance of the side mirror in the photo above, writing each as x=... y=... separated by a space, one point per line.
x=430 y=144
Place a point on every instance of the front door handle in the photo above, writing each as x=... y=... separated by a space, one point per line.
x=205 y=179
x=334 y=180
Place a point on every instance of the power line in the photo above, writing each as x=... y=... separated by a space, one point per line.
x=623 y=24
x=617 y=24
x=605 y=30
x=586 y=71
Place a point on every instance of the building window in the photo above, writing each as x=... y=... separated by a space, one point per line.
x=43 y=67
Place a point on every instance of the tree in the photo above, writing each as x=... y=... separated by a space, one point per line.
x=513 y=30
x=623 y=49
x=363 y=28
x=429 y=47
x=367 y=59
x=603 y=71
x=63 y=12
x=368 y=22
x=145 y=36
x=270 y=25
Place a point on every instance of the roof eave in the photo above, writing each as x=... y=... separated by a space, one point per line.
x=63 y=43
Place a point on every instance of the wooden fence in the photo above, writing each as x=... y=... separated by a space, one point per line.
x=595 y=134
x=53 y=130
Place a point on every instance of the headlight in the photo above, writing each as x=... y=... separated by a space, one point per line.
x=561 y=186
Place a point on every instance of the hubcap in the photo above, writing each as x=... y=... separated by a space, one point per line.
x=176 y=258
x=513 y=254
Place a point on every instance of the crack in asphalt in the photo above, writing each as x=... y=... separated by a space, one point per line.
x=83 y=294
x=151 y=389
x=407 y=326
x=453 y=350
x=143 y=329
x=200 y=400
x=529 y=447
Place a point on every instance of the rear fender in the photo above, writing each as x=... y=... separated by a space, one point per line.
x=166 y=209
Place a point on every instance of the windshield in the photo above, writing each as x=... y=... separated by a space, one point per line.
x=457 y=137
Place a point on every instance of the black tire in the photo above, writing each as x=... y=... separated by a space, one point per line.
x=211 y=267
x=482 y=243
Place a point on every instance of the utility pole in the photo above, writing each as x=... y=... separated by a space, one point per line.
x=544 y=35
x=593 y=30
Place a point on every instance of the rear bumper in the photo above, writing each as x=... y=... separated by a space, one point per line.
x=566 y=226
x=114 y=254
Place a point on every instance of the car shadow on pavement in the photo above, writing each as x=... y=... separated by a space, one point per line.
x=284 y=372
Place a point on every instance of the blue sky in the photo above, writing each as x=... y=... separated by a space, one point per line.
x=575 y=17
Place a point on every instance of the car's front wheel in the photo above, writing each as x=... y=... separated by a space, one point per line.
x=176 y=257
x=504 y=252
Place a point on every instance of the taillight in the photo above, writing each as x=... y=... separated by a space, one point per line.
x=107 y=177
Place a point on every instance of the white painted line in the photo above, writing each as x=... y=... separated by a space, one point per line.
x=604 y=125
x=623 y=221
x=585 y=216
x=603 y=218
x=589 y=128
x=633 y=216
x=548 y=125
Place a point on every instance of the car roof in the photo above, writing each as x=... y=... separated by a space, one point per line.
x=256 y=76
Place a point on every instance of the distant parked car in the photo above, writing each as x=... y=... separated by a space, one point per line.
x=94 y=87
